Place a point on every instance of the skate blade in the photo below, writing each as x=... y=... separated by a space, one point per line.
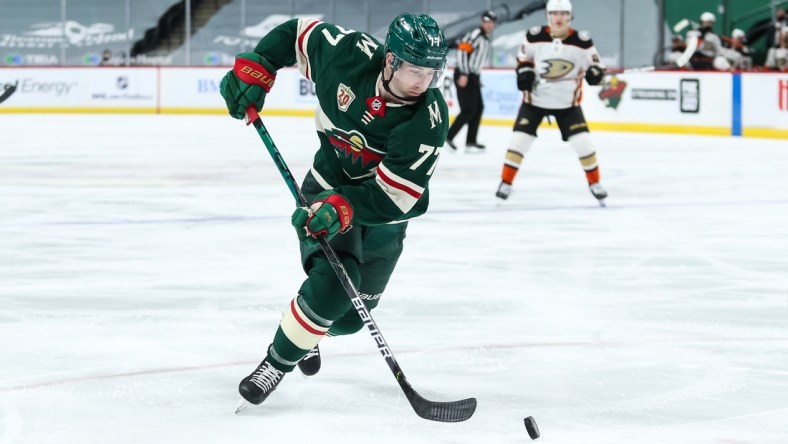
x=602 y=203
x=244 y=404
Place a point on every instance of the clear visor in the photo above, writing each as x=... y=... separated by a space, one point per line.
x=418 y=75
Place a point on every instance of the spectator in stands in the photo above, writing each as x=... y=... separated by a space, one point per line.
x=677 y=48
x=708 y=56
x=777 y=58
x=106 y=58
x=736 y=50
x=769 y=27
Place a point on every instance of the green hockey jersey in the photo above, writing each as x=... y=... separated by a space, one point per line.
x=379 y=155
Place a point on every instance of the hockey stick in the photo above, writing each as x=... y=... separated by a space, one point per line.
x=541 y=80
x=455 y=411
x=609 y=72
x=692 y=44
x=682 y=24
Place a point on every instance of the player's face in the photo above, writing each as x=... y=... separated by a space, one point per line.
x=410 y=80
x=559 y=20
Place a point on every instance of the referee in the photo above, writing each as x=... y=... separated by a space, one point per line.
x=472 y=54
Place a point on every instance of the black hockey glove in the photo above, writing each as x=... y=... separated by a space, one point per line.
x=595 y=74
x=525 y=78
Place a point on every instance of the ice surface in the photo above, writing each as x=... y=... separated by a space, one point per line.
x=145 y=261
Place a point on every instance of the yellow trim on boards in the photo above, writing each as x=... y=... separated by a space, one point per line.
x=88 y=110
x=633 y=127
x=597 y=126
x=266 y=112
x=765 y=133
x=660 y=128
x=216 y=111
x=74 y=110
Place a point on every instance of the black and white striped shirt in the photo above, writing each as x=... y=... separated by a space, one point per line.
x=472 y=52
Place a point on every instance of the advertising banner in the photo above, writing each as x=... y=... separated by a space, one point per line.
x=751 y=104
x=686 y=99
x=78 y=89
x=197 y=90
x=675 y=101
x=194 y=89
x=764 y=103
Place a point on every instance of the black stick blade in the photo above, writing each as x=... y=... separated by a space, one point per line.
x=454 y=411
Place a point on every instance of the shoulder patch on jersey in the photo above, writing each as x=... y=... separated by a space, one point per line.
x=344 y=96
x=581 y=39
x=538 y=34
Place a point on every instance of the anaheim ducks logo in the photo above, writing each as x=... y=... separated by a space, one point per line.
x=353 y=144
x=555 y=68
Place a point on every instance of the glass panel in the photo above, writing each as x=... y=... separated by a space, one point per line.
x=155 y=19
x=222 y=37
x=31 y=33
x=320 y=9
x=456 y=17
x=602 y=19
x=231 y=31
x=263 y=15
x=640 y=34
x=96 y=32
x=351 y=14
x=384 y=11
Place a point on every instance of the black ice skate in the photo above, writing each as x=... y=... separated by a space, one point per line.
x=310 y=363
x=451 y=145
x=598 y=192
x=504 y=189
x=256 y=387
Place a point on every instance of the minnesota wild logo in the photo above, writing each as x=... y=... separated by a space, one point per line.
x=612 y=91
x=353 y=144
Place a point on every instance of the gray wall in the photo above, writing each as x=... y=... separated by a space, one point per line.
x=34 y=32
x=625 y=32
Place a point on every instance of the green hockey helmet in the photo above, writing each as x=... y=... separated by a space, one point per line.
x=417 y=39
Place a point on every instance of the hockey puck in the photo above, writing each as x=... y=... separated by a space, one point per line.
x=530 y=425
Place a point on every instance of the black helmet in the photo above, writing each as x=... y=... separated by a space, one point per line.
x=489 y=16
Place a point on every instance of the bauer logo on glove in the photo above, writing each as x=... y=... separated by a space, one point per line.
x=247 y=83
x=251 y=74
x=330 y=213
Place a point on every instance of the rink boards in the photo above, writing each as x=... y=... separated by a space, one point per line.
x=738 y=104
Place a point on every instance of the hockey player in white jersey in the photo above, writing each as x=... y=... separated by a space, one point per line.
x=552 y=63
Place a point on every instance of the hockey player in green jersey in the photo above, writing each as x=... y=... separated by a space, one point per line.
x=381 y=123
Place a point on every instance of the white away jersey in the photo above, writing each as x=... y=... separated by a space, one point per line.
x=559 y=64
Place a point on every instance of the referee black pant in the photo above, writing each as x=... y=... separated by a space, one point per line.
x=471 y=107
